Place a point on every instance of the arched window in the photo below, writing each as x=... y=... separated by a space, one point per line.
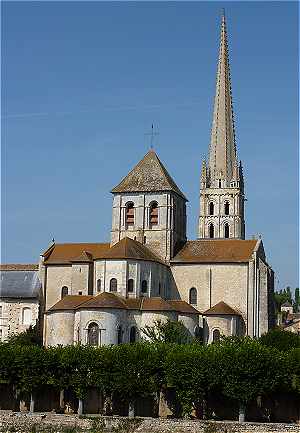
x=132 y=335
x=145 y=239
x=93 y=334
x=99 y=285
x=130 y=285
x=211 y=231
x=26 y=316
x=226 y=208
x=0 y=311
x=113 y=285
x=120 y=334
x=159 y=288
x=64 y=291
x=216 y=335
x=193 y=296
x=154 y=214
x=226 y=230
x=144 y=286
x=220 y=183
x=130 y=214
x=211 y=208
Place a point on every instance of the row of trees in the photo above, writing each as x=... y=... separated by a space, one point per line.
x=239 y=368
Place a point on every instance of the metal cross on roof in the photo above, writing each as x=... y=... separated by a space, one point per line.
x=152 y=134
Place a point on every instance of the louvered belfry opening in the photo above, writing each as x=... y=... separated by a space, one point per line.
x=130 y=214
x=154 y=214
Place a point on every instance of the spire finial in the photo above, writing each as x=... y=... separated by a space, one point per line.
x=152 y=134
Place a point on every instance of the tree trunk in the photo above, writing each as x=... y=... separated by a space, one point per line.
x=80 y=406
x=131 y=409
x=62 y=399
x=31 y=407
x=242 y=412
x=204 y=408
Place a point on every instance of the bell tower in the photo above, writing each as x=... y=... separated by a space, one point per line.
x=222 y=185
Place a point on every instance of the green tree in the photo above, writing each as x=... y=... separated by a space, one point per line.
x=168 y=331
x=249 y=370
x=134 y=372
x=193 y=371
x=280 y=339
x=27 y=338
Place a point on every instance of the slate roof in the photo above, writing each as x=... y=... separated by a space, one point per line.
x=112 y=300
x=221 y=309
x=19 y=283
x=216 y=251
x=148 y=175
x=125 y=249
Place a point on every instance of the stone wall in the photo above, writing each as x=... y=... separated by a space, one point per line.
x=42 y=423
x=11 y=321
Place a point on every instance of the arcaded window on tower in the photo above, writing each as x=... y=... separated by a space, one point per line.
x=211 y=208
x=211 y=231
x=154 y=214
x=93 y=334
x=64 y=291
x=113 y=285
x=193 y=296
x=226 y=208
x=130 y=285
x=226 y=230
x=130 y=214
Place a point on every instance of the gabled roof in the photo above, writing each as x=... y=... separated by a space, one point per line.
x=70 y=302
x=20 y=283
x=128 y=248
x=66 y=253
x=221 y=309
x=216 y=251
x=112 y=300
x=148 y=175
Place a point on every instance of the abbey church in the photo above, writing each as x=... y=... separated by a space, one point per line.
x=218 y=284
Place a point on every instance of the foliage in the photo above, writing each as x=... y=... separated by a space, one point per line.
x=168 y=331
x=27 y=338
x=280 y=339
x=239 y=368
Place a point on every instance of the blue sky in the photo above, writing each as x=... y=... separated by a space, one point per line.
x=82 y=82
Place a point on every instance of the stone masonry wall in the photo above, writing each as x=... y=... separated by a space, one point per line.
x=42 y=423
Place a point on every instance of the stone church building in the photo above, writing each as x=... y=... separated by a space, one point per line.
x=104 y=293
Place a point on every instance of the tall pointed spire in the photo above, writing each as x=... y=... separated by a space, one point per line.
x=222 y=151
x=222 y=185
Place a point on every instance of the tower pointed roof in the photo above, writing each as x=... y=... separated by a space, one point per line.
x=222 y=151
x=148 y=175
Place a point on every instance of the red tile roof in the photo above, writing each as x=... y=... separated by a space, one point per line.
x=221 y=309
x=19 y=267
x=216 y=251
x=112 y=300
x=126 y=248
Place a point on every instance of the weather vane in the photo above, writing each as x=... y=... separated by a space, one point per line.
x=152 y=134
